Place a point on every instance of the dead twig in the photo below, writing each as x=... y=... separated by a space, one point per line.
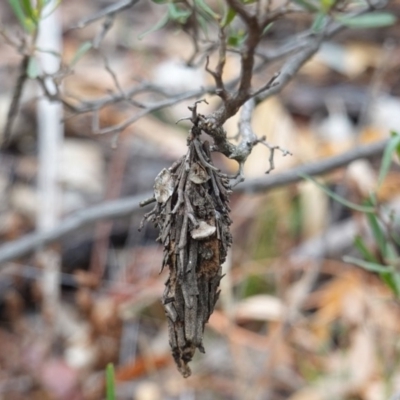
x=14 y=105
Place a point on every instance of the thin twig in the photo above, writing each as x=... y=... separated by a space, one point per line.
x=14 y=106
x=107 y=11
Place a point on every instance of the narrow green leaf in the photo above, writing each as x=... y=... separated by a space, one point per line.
x=203 y=24
x=110 y=382
x=369 y=266
x=392 y=280
x=371 y=20
x=338 y=198
x=237 y=39
x=267 y=28
x=178 y=14
x=327 y=4
x=307 y=5
x=390 y=150
x=82 y=50
x=363 y=249
x=206 y=8
x=229 y=17
x=393 y=133
x=33 y=69
x=160 y=24
x=28 y=10
x=319 y=22
x=377 y=231
x=19 y=13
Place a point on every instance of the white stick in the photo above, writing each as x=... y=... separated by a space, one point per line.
x=50 y=136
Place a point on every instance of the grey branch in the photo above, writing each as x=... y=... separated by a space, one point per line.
x=129 y=205
x=316 y=168
x=107 y=11
x=111 y=209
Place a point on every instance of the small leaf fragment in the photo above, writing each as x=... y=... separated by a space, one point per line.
x=82 y=50
x=203 y=231
x=371 y=20
x=33 y=69
x=160 y=24
x=390 y=150
x=163 y=186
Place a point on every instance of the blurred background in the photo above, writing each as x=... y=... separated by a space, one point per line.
x=294 y=321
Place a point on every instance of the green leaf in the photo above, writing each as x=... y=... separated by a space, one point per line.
x=160 y=24
x=371 y=20
x=369 y=266
x=206 y=8
x=110 y=382
x=338 y=198
x=177 y=14
x=228 y=17
x=377 y=231
x=392 y=148
x=19 y=13
x=392 y=279
x=237 y=38
x=363 y=249
x=267 y=28
x=82 y=50
x=319 y=22
x=327 y=4
x=203 y=24
x=393 y=133
x=29 y=11
x=307 y=5
x=33 y=69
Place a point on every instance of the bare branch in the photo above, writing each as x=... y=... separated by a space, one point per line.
x=272 y=150
x=217 y=74
x=107 y=11
x=13 y=109
x=112 y=209
x=316 y=168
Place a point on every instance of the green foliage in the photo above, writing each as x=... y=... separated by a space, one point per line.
x=254 y=285
x=229 y=16
x=33 y=68
x=236 y=39
x=370 y=20
x=392 y=149
x=308 y=5
x=180 y=13
x=385 y=260
x=30 y=12
x=82 y=50
x=339 y=199
x=26 y=22
x=110 y=382
x=319 y=22
x=322 y=8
